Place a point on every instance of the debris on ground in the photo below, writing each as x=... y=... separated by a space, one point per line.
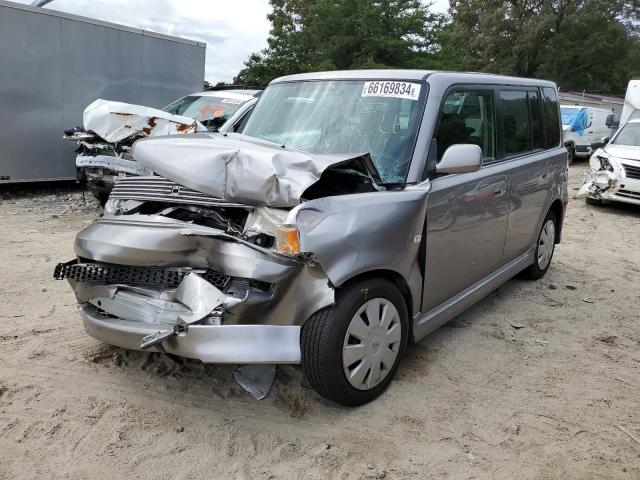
x=255 y=379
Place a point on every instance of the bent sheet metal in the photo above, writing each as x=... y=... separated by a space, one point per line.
x=115 y=121
x=242 y=169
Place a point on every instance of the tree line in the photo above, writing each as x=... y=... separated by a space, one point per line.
x=591 y=45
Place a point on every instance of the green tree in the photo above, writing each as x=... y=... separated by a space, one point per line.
x=581 y=44
x=312 y=35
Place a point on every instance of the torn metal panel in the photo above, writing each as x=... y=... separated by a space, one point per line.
x=140 y=308
x=115 y=121
x=242 y=169
x=200 y=296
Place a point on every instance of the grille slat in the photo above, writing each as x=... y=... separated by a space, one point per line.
x=631 y=171
x=159 y=189
x=128 y=275
x=628 y=194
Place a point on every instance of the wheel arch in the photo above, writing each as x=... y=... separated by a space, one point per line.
x=557 y=208
x=395 y=278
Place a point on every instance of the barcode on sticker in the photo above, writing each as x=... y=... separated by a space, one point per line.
x=391 y=89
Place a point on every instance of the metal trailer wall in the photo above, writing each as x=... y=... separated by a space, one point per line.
x=52 y=65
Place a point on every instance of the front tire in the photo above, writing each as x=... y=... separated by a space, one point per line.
x=544 y=248
x=351 y=351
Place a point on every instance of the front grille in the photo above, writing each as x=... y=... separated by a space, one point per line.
x=628 y=194
x=631 y=171
x=127 y=275
x=159 y=189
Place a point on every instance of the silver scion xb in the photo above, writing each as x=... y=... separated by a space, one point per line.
x=351 y=213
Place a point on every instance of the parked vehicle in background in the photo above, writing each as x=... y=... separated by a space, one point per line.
x=356 y=211
x=615 y=167
x=111 y=128
x=631 y=107
x=584 y=125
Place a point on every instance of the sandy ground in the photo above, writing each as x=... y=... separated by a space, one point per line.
x=480 y=398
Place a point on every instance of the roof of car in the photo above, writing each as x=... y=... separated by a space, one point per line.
x=414 y=75
x=568 y=105
x=225 y=93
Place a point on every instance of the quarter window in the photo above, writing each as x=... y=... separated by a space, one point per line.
x=467 y=117
x=515 y=122
x=551 y=117
x=537 y=128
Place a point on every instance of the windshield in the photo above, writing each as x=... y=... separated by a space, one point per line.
x=629 y=135
x=568 y=114
x=212 y=112
x=344 y=117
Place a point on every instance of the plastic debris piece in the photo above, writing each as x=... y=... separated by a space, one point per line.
x=256 y=380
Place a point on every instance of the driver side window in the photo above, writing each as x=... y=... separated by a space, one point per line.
x=467 y=117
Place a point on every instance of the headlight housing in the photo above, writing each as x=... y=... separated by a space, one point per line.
x=604 y=163
x=112 y=207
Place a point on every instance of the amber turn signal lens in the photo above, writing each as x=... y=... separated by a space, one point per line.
x=287 y=240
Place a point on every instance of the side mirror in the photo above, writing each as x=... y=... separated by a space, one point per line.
x=603 y=141
x=609 y=121
x=460 y=158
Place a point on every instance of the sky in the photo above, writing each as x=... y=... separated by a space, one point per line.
x=232 y=29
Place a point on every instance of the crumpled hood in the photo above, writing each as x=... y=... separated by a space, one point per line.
x=240 y=168
x=115 y=121
x=628 y=152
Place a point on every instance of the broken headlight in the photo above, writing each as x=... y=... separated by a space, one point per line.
x=604 y=163
x=112 y=207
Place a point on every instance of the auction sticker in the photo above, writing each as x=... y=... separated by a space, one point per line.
x=391 y=89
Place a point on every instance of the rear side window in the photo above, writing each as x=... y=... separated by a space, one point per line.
x=515 y=122
x=467 y=117
x=551 y=117
x=537 y=126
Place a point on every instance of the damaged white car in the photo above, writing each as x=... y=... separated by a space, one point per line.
x=352 y=213
x=110 y=129
x=614 y=172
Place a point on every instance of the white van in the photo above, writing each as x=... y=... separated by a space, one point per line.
x=631 y=101
x=584 y=125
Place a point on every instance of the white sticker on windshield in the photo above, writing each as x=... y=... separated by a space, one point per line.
x=408 y=90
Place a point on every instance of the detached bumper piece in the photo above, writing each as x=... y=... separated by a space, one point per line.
x=239 y=344
x=126 y=275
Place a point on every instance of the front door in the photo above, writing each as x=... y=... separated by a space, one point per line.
x=466 y=228
x=466 y=213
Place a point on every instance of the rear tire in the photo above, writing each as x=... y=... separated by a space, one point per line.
x=545 y=247
x=351 y=351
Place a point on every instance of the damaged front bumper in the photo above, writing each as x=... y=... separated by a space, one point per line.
x=208 y=343
x=115 y=165
x=167 y=285
x=600 y=184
